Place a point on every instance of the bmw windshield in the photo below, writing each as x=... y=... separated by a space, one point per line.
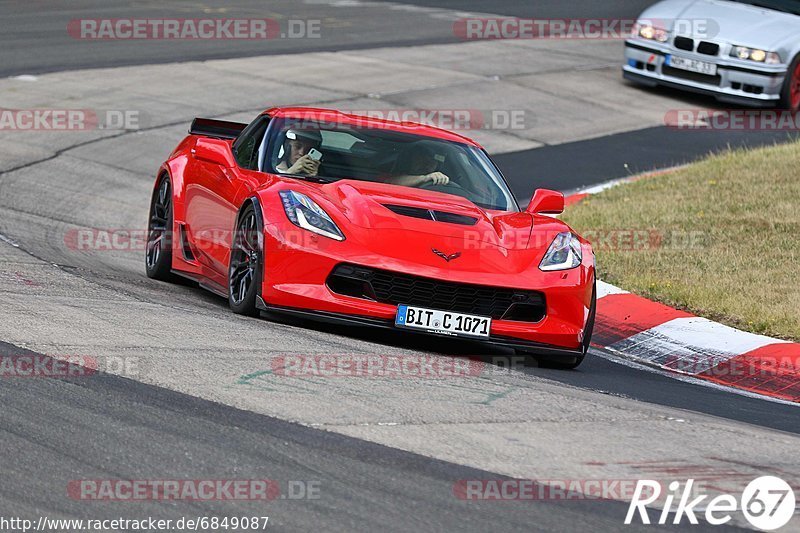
x=787 y=6
x=323 y=151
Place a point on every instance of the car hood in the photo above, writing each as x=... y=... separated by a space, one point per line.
x=731 y=22
x=385 y=207
x=493 y=242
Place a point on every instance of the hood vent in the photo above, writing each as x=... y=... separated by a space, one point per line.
x=431 y=214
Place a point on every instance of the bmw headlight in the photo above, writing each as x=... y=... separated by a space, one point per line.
x=651 y=33
x=565 y=253
x=755 y=54
x=305 y=213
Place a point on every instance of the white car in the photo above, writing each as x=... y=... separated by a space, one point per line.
x=745 y=51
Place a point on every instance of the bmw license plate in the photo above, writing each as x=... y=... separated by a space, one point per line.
x=692 y=65
x=442 y=322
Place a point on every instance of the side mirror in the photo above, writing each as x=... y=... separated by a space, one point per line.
x=546 y=202
x=214 y=151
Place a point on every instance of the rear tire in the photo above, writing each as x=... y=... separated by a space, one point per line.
x=544 y=361
x=246 y=264
x=790 y=94
x=158 y=254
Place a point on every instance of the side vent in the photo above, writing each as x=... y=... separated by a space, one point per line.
x=185 y=248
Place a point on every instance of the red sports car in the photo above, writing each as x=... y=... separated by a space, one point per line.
x=355 y=220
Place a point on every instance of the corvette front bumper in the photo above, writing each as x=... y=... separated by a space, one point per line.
x=359 y=320
x=296 y=283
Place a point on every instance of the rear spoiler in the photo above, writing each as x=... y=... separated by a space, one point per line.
x=220 y=129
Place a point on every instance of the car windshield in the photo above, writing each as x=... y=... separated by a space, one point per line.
x=325 y=151
x=787 y=6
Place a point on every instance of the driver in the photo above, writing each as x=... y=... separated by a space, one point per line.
x=420 y=169
x=294 y=157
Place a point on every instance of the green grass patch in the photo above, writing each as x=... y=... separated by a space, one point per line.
x=722 y=238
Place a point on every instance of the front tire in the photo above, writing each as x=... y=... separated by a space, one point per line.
x=790 y=94
x=575 y=362
x=246 y=264
x=158 y=255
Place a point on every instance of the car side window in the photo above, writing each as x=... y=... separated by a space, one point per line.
x=246 y=146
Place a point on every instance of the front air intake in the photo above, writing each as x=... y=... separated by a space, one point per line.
x=394 y=288
x=431 y=214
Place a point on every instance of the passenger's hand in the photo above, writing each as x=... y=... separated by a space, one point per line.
x=305 y=165
x=437 y=178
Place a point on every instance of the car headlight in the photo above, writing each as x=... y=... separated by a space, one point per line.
x=651 y=33
x=565 y=253
x=755 y=54
x=305 y=213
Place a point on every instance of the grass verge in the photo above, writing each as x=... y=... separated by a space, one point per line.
x=719 y=238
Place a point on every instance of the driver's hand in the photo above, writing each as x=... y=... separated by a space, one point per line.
x=305 y=165
x=437 y=178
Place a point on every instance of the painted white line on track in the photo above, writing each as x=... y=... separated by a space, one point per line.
x=8 y=241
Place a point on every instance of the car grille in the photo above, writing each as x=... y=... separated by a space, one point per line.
x=703 y=47
x=707 y=48
x=684 y=43
x=394 y=288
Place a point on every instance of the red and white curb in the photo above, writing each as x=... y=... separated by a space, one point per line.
x=656 y=335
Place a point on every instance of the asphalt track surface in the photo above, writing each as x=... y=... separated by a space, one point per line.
x=106 y=426
x=145 y=432
x=33 y=39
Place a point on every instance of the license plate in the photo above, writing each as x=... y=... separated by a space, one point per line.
x=692 y=65
x=442 y=322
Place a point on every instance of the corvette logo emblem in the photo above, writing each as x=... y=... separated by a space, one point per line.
x=446 y=257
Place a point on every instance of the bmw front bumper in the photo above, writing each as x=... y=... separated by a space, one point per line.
x=753 y=85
